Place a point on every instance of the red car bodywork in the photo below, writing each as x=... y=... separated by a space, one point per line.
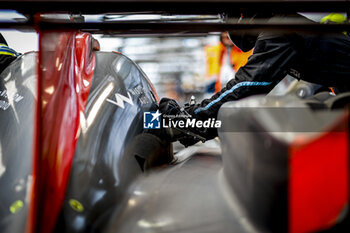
x=66 y=68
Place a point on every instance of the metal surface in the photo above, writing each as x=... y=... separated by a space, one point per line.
x=18 y=92
x=183 y=28
x=231 y=8
x=177 y=6
x=188 y=197
x=175 y=28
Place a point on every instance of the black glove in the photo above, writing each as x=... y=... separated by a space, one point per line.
x=207 y=133
x=186 y=136
x=169 y=107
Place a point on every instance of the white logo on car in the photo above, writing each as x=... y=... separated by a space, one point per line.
x=120 y=99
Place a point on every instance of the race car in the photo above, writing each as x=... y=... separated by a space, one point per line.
x=75 y=156
x=95 y=156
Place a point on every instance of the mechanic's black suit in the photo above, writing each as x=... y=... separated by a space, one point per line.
x=322 y=59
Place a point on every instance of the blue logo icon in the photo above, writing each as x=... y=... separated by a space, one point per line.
x=151 y=120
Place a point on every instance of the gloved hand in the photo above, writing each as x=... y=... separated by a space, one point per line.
x=186 y=136
x=207 y=133
x=169 y=107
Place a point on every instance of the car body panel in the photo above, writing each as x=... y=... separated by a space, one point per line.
x=18 y=99
x=267 y=174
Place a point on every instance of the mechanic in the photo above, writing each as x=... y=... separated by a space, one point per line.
x=7 y=55
x=223 y=61
x=317 y=58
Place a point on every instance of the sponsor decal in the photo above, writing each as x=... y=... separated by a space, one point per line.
x=140 y=94
x=120 y=99
x=16 y=206
x=136 y=92
x=152 y=120
x=8 y=99
x=76 y=205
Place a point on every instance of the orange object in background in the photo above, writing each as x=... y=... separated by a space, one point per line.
x=216 y=54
